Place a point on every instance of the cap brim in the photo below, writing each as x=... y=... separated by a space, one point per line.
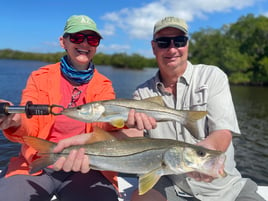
x=173 y=26
x=78 y=29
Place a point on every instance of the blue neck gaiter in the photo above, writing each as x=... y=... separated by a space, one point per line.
x=76 y=76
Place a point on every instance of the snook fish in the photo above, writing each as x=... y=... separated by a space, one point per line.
x=149 y=158
x=116 y=112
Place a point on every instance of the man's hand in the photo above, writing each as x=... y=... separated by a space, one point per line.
x=140 y=121
x=200 y=177
x=217 y=140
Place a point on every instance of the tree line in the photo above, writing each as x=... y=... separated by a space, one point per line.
x=239 y=49
x=118 y=60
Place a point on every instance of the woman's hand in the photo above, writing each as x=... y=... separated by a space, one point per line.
x=11 y=120
x=76 y=160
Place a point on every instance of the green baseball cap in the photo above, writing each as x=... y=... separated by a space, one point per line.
x=171 y=22
x=77 y=23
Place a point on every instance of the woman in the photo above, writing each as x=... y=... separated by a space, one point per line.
x=70 y=82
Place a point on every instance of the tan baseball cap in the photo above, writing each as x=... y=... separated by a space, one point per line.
x=171 y=22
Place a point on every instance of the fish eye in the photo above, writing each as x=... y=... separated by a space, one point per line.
x=200 y=153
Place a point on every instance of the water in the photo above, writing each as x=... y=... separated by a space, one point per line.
x=250 y=102
x=252 y=147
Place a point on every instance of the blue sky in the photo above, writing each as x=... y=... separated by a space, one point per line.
x=35 y=25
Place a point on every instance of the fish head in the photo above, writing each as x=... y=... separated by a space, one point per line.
x=200 y=159
x=89 y=112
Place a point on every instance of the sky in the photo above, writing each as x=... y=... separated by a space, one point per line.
x=126 y=25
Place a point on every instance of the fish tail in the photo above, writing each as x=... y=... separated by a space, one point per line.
x=41 y=163
x=40 y=145
x=44 y=149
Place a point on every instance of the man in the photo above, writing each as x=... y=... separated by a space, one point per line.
x=193 y=87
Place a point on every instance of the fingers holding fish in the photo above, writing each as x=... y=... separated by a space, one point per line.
x=84 y=166
x=140 y=121
x=76 y=161
x=70 y=161
x=145 y=122
x=131 y=119
x=80 y=162
x=57 y=166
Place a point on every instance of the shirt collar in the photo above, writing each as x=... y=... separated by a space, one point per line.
x=185 y=78
x=187 y=75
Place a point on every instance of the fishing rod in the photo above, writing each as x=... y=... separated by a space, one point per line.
x=29 y=109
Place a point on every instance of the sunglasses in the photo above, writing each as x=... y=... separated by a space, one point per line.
x=78 y=38
x=178 y=41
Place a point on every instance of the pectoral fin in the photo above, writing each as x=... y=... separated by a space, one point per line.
x=118 y=123
x=147 y=181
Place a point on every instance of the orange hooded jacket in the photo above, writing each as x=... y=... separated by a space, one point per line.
x=43 y=87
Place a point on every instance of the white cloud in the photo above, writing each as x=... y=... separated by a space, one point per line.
x=138 y=22
x=108 y=30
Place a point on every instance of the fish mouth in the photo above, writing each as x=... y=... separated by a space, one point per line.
x=70 y=112
x=215 y=166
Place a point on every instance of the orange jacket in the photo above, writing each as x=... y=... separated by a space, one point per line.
x=43 y=87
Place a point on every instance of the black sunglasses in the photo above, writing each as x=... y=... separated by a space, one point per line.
x=78 y=38
x=178 y=41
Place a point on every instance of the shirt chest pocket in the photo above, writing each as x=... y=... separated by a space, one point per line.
x=199 y=98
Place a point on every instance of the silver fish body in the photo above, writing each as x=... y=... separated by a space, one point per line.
x=116 y=112
x=171 y=156
x=146 y=157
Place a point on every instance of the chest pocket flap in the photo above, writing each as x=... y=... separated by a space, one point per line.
x=200 y=96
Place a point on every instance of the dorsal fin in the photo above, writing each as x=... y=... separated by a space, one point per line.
x=155 y=99
x=99 y=134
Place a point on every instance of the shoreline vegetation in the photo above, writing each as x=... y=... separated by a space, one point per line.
x=239 y=49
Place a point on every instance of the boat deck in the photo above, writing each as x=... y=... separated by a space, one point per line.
x=127 y=184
